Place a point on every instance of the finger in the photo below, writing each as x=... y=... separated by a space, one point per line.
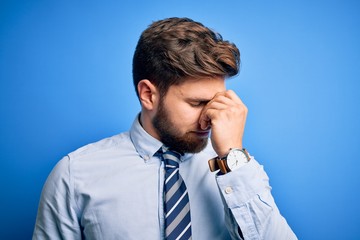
x=218 y=106
x=224 y=100
x=212 y=115
x=219 y=102
x=205 y=122
x=204 y=119
x=208 y=114
x=233 y=96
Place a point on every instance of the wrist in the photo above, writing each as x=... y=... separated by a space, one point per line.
x=224 y=152
x=235 y=159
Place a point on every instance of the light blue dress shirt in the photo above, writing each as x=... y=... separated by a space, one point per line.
x=113 y=189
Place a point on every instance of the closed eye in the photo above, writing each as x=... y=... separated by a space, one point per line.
x=198 y=103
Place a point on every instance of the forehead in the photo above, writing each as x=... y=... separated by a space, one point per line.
x=204 y=88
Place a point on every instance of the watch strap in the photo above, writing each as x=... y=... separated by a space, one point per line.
x=222 y=165
x=218 y=164
x=213 y=166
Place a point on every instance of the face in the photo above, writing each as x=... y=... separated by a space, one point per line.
x=177 y=118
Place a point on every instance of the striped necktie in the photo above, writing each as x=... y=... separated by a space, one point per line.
x=176 y=203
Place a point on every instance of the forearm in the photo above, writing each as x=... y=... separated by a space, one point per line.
x=246 y=195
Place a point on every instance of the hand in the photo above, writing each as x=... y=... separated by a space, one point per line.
x=226 y=115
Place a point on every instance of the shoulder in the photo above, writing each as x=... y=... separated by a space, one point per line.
x=108 y=146
x=119 y=142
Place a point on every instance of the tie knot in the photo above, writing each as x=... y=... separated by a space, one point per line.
x=170 y=158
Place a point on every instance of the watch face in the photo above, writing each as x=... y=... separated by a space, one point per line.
x=236 y=159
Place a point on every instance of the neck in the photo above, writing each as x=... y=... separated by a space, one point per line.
x=146 y=122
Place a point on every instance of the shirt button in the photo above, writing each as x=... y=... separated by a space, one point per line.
x=228 y=190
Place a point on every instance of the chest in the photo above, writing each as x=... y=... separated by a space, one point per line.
x=128 y=204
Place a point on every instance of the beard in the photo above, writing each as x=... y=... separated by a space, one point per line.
x=172 y=137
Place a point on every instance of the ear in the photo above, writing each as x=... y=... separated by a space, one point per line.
x=148 y=94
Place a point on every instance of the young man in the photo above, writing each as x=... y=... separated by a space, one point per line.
x=154 y=182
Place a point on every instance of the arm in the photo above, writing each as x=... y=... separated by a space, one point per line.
x=249 y=204
x=251 y=212
x=57 y=218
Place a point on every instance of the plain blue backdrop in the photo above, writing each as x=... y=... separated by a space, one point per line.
x=65 y=81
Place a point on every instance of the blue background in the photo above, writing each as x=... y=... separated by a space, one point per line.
x=65 y=81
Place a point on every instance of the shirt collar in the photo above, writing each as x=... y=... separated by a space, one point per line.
x=145 y=144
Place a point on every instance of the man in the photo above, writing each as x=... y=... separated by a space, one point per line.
x=154 y=182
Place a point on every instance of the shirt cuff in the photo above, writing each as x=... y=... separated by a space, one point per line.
x=240 y=186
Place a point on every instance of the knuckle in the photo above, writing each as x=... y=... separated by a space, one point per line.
x=246 y=109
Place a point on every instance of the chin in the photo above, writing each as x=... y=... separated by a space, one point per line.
x=198 y=147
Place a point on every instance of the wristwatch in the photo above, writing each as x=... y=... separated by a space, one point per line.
x=235 y=159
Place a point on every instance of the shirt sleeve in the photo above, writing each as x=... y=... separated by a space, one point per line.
x=250 y=206
x=56 y=217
